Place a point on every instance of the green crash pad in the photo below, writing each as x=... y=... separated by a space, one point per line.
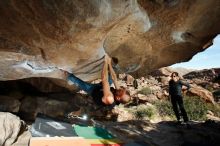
x=89 y=132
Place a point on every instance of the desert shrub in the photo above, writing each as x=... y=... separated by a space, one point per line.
x=215 y=109
x=145 y=91
x=164 y=108
x=210 y=88
x=143 y=112
x=195 y=107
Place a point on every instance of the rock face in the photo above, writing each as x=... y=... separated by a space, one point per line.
x=39 y=37
x=9 y=104
x=201 y=92
x=207 y=75
x=57 y=106
x=11 y=129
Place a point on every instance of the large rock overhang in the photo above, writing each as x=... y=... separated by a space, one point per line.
x=39 y=37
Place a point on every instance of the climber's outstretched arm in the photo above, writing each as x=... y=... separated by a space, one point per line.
x=108 y=96
x=113 y=74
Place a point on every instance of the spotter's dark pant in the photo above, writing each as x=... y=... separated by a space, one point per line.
x=177 y=103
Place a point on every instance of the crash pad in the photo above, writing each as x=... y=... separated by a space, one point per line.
x=90 y=132
x=96 y=136
x=59 y=141
x=47 y=126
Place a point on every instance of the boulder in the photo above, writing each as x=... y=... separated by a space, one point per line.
x=122 y=76
x=16 y=94
x=152 y=98
x=9 y=104
x=37 y=38
x=142 y=97
x=23 y=139
x=164 y=80
x=215 y=85
x=206 y=95
x=132 y=90
x=160 y=95
x=146 y=98
x=155 y=88
x=129 y=80
x=123 y=115
x=163 y=74
x=149 y=81
x=28 y=109
x=203 y=77
x=164 y=71
x=211 y=116
x=48 y=85
x=10 y=129
x=30 y=106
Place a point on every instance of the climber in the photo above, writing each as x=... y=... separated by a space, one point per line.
x=101 y=93
x=175 y=91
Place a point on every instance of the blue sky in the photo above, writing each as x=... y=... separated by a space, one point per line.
x=210 y=58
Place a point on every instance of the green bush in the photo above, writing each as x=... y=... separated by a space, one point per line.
x=195 y=107
x=210 y=88
x=164 y=108
x=215 y=109
x=145 y=91
x=143 y=112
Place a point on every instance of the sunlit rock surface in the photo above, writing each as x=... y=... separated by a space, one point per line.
x=39 y=37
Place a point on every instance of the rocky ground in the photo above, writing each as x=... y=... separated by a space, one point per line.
x=167 y=133
x=140 y=120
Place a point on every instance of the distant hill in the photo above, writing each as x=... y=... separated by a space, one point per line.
x=208 y=74
x=182 y=71
x=166 y=71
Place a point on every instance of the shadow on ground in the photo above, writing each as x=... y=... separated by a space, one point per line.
x=167 y=133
